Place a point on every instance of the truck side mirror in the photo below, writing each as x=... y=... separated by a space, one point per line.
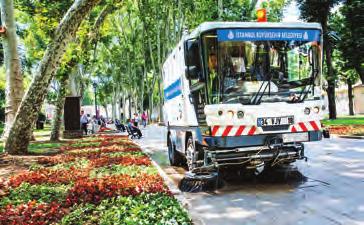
x=192 y=59
x=192 y=72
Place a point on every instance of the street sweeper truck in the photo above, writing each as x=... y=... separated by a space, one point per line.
x=243 y=94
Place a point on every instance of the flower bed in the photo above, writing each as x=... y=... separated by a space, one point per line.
x=101 y=180
x=347 y=129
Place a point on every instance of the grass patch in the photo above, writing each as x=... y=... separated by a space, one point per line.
x=40 y=148
x=356 y=120
x=41 y=145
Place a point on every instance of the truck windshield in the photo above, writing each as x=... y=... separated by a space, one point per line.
x=260 y=70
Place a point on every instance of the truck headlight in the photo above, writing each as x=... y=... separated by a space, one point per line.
x=230 y=114
x=316 y=109
x=307 y=111
x=240 y=114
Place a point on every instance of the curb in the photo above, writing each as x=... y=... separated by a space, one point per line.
x=346 y=136
x=350 y=137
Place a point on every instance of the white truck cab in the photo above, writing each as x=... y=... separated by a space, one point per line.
x=243 y=93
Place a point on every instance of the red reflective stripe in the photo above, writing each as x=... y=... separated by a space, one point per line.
x=303 y=126
x=240 y=131
x=227 y=131
x=214 y=130
x=293 y=129
x=252 y=130
x=314 y=125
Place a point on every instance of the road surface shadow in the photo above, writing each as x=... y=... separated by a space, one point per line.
x=270 y=180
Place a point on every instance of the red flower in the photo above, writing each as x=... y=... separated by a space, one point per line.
x=95 y=190
x=126 y=160
x=32 y=213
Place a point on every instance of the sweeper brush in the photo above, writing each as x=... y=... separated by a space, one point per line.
x=201 y=182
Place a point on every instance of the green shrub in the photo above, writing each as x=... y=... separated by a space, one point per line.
x=144 y=209
x=119 y=169
x=41 y=193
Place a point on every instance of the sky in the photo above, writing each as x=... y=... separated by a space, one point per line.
x=291 y=13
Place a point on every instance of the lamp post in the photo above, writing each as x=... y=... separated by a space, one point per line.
x=94 y=84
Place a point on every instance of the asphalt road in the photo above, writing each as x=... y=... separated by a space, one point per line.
x=327 y=189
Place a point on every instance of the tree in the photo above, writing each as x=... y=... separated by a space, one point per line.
x=346 y=74
x=351 y=31
x=319 y=11
x=14 y=80
x=58 y=112
x=20 y=132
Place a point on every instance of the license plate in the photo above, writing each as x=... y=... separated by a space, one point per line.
x=295 y=137
x=274 y=121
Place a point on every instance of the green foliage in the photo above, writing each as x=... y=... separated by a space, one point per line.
x=132 y=41
x=42 y=193
x=343 y=69
x=316 y=11
x=88 y=98
x=79 y=164
x=119 y=169
x=351 y=36
x=143 y=209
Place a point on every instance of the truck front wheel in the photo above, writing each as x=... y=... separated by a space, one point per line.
x=190 y=153
x=174 y=157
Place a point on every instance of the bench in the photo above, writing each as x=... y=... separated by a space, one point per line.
x=131 y=133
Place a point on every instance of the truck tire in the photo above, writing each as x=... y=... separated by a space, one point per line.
x=190 y=153
x=175 y=158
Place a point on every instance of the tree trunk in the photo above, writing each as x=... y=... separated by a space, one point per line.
x=150 y=106
x=330 y=74
x=220 y=6
x=58 y=112
x=124 y=108
x=106 y=111
x=350 y=95
x=160 y=100
x=113 y=104
x=129 y=101
x=14 y=80
x=20 y=131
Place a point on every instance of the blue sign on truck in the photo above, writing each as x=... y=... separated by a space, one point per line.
x=268 y=35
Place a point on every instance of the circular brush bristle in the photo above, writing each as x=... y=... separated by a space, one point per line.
x=199 y=182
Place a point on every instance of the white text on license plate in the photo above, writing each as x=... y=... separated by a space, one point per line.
x=295 y=137
x=271 y=121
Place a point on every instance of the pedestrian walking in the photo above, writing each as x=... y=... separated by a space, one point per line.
x=144 y=118
x=84 y=121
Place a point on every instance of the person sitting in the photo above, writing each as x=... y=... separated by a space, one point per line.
x=119 y=126
x=134 y=129
x=94 y=125
x=212 y=63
